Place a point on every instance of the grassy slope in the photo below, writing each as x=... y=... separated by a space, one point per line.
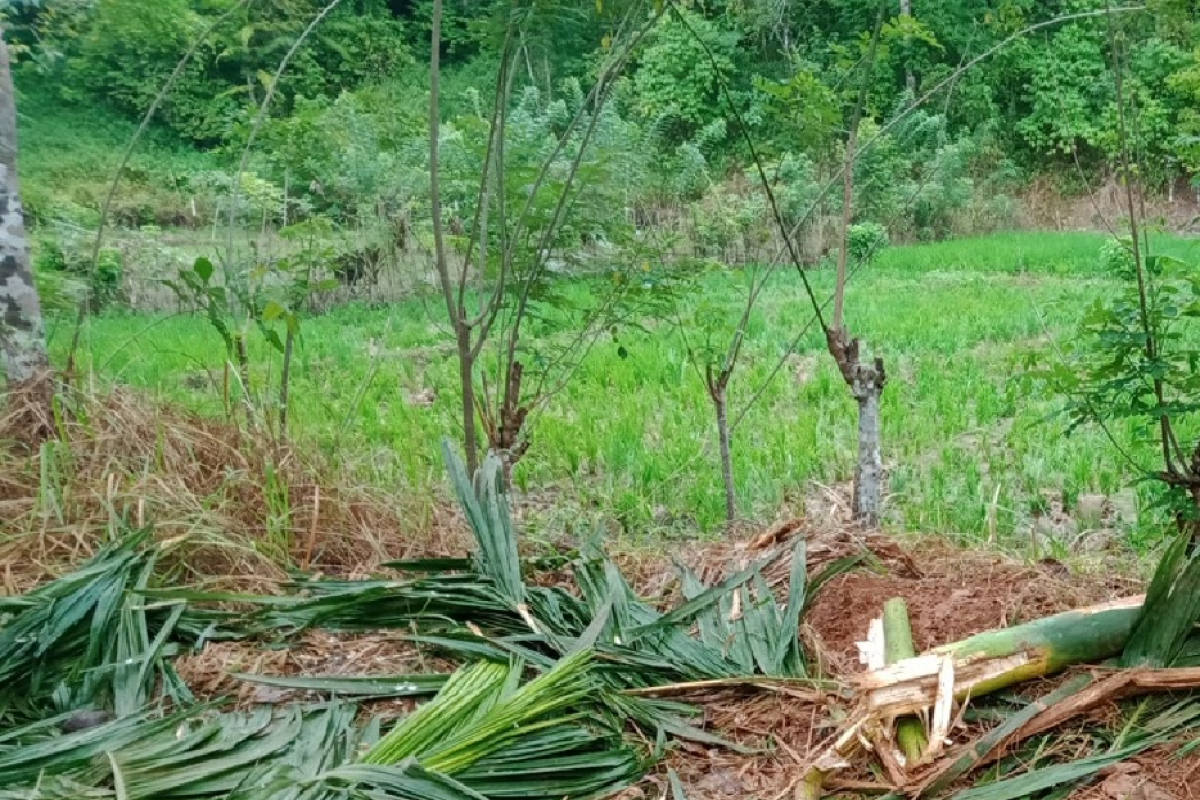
x=635 y=436
x=69 y=153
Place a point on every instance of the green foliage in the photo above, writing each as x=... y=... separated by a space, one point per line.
x=354 y=154
x=1116 y=257
x=802 y=110
x=196 y=289
x=1069 y=90
x=67 y=250
x=1113 y=374
x=70 y=153
x=797 y=187
x=1185 y=89
x=730 y=225
x=345 y=120
x=230 y=71
x=865 y=241
x=86 y=640
x=679 y=79
x=1135 y=360
x=959 y=315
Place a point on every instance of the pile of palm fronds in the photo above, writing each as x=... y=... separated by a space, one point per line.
x=484 y=607
x=553 y=677
x=566 y=689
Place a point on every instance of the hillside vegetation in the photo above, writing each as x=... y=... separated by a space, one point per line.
x=546 y=399
x=328 y=212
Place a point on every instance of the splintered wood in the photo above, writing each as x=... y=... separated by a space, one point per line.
x=922 y=691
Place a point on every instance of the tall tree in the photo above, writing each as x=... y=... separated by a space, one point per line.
x=22 y=336
x=866 y=380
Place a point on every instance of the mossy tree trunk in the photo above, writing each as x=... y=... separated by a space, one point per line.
x=22 y=334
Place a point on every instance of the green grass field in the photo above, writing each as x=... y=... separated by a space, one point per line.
x=971 y=452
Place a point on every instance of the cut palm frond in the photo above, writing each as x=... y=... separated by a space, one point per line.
x=1170 y=612
x=88 y=639
x=488 y=514
x=1157 y=730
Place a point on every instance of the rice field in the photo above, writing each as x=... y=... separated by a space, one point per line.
x=973 y=451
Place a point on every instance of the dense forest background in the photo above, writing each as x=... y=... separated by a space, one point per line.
x=994 y=146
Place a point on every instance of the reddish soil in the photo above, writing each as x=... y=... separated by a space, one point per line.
x=952 y=594
x=957 y=594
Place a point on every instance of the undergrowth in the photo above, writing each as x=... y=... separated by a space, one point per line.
x=970 y=449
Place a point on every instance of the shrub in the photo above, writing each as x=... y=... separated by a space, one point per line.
x=57 y=257
x=865 y=241
x=1116 y=257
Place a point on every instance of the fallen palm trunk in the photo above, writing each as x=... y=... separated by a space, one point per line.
x=998 y=659
x=976 y=666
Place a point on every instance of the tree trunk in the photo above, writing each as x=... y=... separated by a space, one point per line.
x=868 y=473
x=455 y=311
x=721 y=401
x=910 y=81
x=839 y=291
x=466 y=377
x=22 y=334
x=284 y=382
x=866 y=383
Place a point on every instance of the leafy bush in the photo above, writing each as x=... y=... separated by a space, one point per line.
x=865 y=241
x=797 y=188
x=1116 y=257
x=48 y=255
x=63 y=263
x=108 y=280
x=677 y=83
x=128 y=48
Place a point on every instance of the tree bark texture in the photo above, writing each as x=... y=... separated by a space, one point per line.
x=285 y=381
x=868 y=473
x=866 y=382
x=505 y=429
x=717 y=383
x=22 y=334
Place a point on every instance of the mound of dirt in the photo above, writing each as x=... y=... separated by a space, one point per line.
x=952 y=594
x=957 y=593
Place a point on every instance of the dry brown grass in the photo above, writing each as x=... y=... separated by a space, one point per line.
x=244 y=507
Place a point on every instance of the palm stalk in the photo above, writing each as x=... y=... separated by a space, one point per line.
x=898 y=645
x=997 y=659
